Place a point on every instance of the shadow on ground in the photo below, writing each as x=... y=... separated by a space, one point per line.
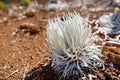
x=45 y=73
x=42 y=73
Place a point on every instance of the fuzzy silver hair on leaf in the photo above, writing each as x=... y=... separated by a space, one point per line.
x=72 y=45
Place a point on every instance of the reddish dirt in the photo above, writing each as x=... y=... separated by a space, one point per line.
x=27 y=49
x=112 y=54
x=22 y=48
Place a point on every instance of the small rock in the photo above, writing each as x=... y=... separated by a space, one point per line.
x=20 y=7
x=5 y=20
x=29 y=28
x=21 y=16
x=30 y=13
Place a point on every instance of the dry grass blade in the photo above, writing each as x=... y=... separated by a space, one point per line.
x=12 y=74
x=24 y=72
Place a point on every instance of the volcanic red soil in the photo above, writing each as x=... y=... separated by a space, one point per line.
x=25 y=52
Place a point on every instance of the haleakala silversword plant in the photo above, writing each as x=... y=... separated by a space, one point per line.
x=72 y=45
x=110 y=23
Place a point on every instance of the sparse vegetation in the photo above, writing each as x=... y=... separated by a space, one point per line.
x=25 y=2
x=2 y=5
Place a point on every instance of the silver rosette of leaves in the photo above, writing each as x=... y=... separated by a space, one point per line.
x=72 y=45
